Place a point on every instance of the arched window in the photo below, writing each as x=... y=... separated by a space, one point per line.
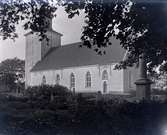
x=43 y=79
x=88 y=79
x=130 y=79
x=57 y=78
x=72 y=80
x=105 y=75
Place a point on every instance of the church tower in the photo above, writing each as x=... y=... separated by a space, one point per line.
x=36 y=50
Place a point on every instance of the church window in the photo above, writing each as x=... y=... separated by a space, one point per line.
x=57 y=78
x=72 y=80
x=105 y=75
x=88 y=79
x=130 y=79
x=43 y=79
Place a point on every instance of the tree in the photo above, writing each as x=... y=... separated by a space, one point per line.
x=141 y=26
x=12 y=72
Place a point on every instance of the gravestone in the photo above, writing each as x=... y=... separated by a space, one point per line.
x=143 y=83
x=99 y=99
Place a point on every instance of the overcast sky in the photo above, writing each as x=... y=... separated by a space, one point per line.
x=70 y=28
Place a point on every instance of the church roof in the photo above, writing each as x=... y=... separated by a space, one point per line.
x=72 y=56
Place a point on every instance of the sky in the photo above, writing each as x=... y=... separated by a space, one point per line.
x=70 y=28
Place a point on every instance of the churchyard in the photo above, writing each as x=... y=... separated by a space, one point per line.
x=54 y=110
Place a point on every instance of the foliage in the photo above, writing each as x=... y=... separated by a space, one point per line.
x=140 y=26
x=34 y=12
x=47 y=105
x=89 y=95
x=157 y=91
x=43 y=92
x=45 y=114
x=116 y=118
x=10 y=98
x=121 y=118
x=34 y=126
x=90 y=120
x=17 y=105
x=159 y=79
x=140 y=118
x=40 y=97
x=12 y=72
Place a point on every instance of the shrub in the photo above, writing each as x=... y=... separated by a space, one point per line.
x=108 y=101
x=22 y=99
x=40 y=97
x=43 y=92
x=138 y=118
x=45 y=114
x=89 y=95
x=6 y=97
x=10 y=98
x=16 y=105
x=34 y=126
x=157 y=91
x=89 y=120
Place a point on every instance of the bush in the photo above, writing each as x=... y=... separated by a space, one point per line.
x=43 y=92
x=6 y=98
x=10 y=98
x=118 y=117
x=22 y=99
x=16 y=105
x=34 y=126
x=89 y=95
x=45 y=114
x=157 y=91
x=40 y=97
x=144 y=117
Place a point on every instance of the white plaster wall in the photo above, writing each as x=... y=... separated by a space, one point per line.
x=114 y=82
x=80 y=78
x=32 y=55
x=36 y=77
x=135 y=76
x=56 y=41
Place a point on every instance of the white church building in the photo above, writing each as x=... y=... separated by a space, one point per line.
x=79 y=68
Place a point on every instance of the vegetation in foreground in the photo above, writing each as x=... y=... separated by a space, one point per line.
x=39 y=113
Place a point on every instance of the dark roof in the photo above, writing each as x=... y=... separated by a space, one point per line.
x=72 y=55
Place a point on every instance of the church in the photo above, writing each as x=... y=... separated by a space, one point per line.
x=78 y=68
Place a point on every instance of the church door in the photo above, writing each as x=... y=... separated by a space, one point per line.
x=104 y=87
